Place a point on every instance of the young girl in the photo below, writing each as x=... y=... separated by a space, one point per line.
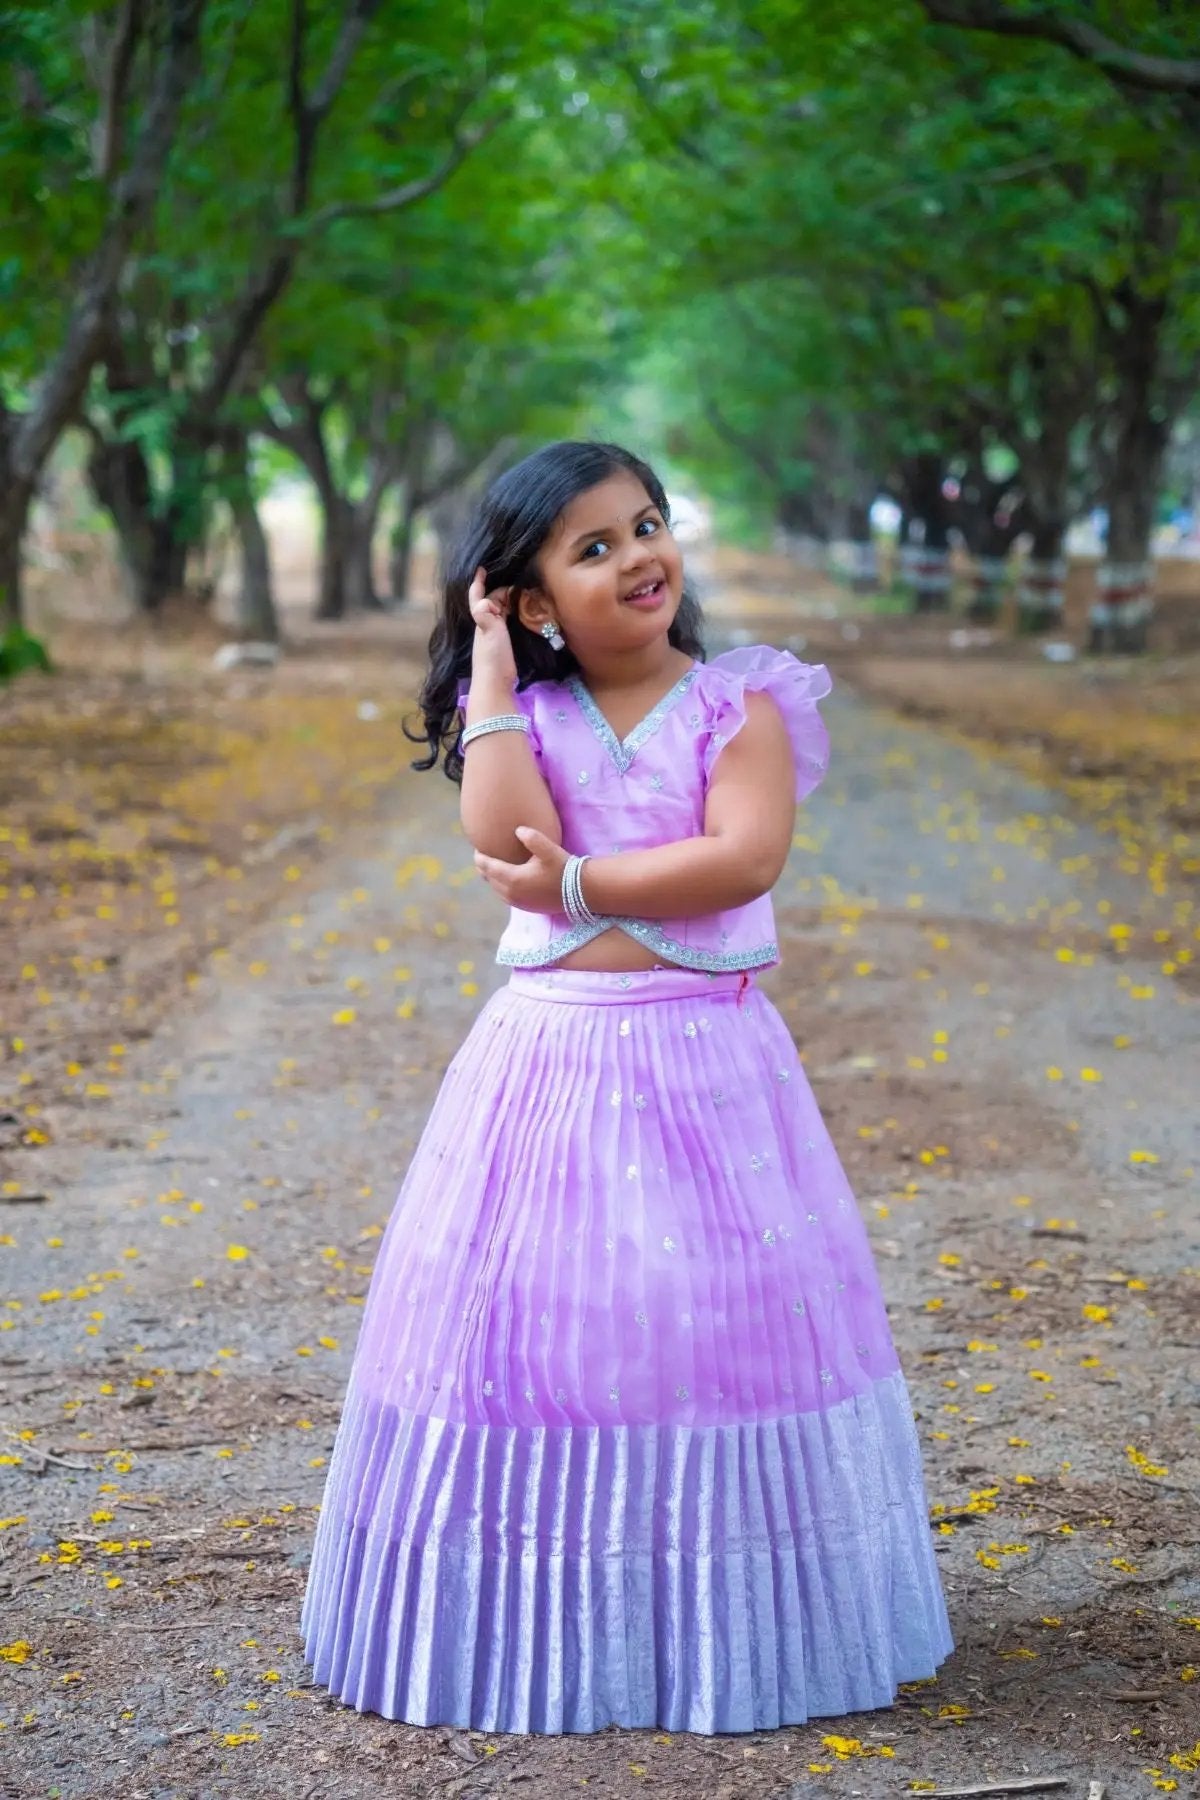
x=626 y=1440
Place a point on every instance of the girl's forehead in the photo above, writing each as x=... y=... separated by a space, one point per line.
x=612 y=502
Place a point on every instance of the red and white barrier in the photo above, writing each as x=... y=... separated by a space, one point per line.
x=927 y=572
x=1040 y=593
x=1120 y=616
x=988 y=576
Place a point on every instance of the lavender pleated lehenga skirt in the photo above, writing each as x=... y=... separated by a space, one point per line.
x=625 y=1440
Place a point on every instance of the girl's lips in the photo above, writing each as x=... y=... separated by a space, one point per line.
x=649 y=602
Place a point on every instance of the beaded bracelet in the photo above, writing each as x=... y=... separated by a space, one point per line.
x=574 y=904
x=499 y=722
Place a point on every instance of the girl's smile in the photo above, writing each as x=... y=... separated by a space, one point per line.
x=649 y=596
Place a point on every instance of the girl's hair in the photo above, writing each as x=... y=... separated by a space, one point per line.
x=511 y=524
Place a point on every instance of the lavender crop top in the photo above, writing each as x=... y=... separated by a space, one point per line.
x=649 y=789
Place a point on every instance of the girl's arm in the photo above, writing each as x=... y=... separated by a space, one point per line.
x=502 y=786
x=749 y=816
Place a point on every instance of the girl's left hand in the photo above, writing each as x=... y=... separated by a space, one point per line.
x=533 y=886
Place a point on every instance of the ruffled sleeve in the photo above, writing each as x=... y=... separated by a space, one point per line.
x=794 y=686
x=523 y=702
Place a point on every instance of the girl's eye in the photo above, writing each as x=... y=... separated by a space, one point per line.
x=602 y=543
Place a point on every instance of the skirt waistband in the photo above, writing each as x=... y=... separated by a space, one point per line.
x=594 y=987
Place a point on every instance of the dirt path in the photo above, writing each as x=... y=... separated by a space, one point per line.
x=1014 y=1097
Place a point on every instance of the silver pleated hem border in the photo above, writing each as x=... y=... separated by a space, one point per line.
x=705 y=1579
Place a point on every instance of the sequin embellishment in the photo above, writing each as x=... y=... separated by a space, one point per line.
x=623 y=750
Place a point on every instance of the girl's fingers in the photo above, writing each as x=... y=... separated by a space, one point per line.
x=485 y=607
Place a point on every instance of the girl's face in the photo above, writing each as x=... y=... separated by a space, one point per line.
x=612 y=574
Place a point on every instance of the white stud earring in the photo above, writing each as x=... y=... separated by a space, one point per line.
x=553 y=635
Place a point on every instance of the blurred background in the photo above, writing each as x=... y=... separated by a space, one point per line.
x=907 y=295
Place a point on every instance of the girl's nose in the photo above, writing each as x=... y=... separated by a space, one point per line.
x=639 y=555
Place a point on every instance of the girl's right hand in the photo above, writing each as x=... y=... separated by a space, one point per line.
x=493 y=651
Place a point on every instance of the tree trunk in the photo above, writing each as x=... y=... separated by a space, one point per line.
x=333 y=592
x=153 y=540
x=1043 y=579
x=256 y=613
x=15 y=500
x=1120 y=617
x=988 y=513
x=256 y=600
x=801 y=533
x=864 y=562
x=925 y=558
x=401 y=550
x=120 y=480
x=1051 y=494
x=362 y=520
x=347 y=526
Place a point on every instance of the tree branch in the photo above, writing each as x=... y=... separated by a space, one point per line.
x=410 y=191
x=110 y=140
x=355 y=19
x=1158 y=74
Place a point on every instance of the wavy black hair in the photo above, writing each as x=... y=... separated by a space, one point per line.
x=511 y=523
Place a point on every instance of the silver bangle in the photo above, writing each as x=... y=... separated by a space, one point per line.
x=498 y=722
x=574 y=904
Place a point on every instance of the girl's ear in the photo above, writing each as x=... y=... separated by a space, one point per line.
x=533 y=608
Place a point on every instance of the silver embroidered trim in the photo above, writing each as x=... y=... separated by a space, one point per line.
x=623 y=750
x=653 y=937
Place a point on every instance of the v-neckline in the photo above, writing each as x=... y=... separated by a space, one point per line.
x=623 y=750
